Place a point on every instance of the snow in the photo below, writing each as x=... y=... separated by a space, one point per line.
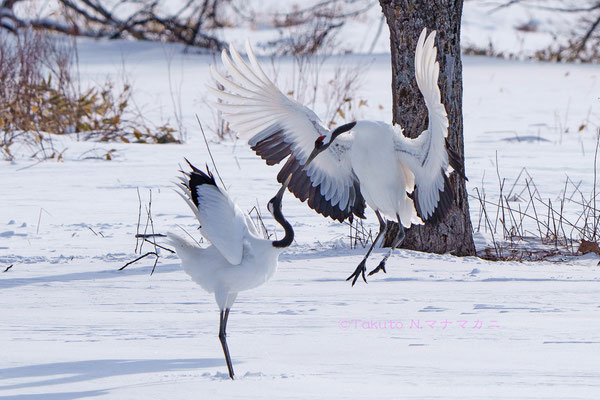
x=75 y=327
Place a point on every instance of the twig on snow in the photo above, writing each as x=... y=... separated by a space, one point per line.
x=139 y=258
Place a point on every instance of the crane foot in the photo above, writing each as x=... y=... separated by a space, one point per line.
x=360 y=270
x=380 y=267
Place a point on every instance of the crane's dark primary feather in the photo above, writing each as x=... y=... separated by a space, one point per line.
x=444 y=203
x=455 y=161
x=273 y=148
x=302 y=187
x=198 y=178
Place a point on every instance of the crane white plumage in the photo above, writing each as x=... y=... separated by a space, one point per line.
x=238 y=259
x=402 y=179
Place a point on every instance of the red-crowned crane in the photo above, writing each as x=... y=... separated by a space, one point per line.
x=239 y=258
x=400 y=178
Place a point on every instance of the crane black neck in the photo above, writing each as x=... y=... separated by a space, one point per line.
x=341 y=129
x=287 y=227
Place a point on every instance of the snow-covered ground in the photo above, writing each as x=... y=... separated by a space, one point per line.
x=434 y=327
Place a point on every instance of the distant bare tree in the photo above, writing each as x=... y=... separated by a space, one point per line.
x=192 y=24
x=309 y=28
x=103 y=19
x=583 y=42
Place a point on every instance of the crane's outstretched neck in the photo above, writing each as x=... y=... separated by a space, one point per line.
x=275 y=208
x=287 y=227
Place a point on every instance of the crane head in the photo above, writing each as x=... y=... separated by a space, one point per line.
x=275 y=203
x=324 y=141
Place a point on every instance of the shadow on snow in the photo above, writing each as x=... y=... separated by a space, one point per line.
x=79 y=371
x=8 y=283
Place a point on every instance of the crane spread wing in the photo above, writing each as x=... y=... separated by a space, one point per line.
x=427 y=155
x=281 y=127
x=221 y=220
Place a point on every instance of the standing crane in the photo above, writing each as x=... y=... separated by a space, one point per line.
x=400 y=178
x=238 y=259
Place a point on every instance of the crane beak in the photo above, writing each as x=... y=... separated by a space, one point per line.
x=312 y=156
x=284 y=186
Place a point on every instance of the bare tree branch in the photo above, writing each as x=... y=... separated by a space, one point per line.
x=94 y=19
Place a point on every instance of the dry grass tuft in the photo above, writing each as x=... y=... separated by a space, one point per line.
x=41 y=97
x=526 y=226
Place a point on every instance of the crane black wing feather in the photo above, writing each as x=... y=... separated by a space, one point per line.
x=455 y=161
x=273 y=149
x=304 y=189
x=446 y=196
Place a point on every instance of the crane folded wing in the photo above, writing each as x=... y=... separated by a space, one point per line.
x=222 y=222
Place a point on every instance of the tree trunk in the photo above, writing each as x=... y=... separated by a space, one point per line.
x=406 y=19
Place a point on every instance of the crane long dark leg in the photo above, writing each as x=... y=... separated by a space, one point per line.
x=223 y=339
x=360 y=270
x=397 y=241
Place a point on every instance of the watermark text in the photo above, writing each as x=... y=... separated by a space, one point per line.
x=415 y=324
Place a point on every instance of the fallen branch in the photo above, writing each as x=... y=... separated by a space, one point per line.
x=139 y=258
x=158 y=245
x=148 y=235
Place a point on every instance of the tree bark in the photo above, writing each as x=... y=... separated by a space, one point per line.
x=406 y=19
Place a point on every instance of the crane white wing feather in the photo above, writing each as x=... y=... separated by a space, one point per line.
x=222 y=222
x=426 y=155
